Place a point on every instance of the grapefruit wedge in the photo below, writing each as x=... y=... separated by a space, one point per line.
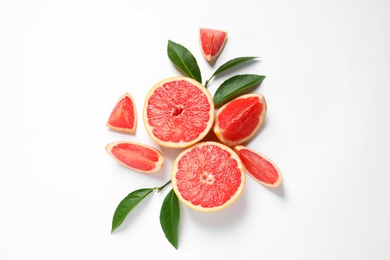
x=211 y=43
x=259 y=167
x=123 y=117
x=178 y=112
x=208 y=176
x=136 y=156
x=239 y=120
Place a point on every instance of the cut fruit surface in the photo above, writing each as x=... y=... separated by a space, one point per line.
x=258 y=166
x=136 y=156
x=178 y=112
x=208 y=176
x=239 y=120
x=211 y=42
x=123 y=117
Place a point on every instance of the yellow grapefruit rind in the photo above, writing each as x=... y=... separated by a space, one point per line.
x=125 y=130
x=158 y=164
x=274 y=185
x=209 y=57
x=149 y=129
x=219 y=132
x=227 y=203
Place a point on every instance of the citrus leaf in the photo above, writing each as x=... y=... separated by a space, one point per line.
x=169 y=218
x=127 y=204
x=184 y=60
x=234 y=85
x=229 y=64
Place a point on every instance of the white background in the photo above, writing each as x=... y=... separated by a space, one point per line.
x=63 y=65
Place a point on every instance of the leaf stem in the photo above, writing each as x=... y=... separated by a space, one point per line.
x=158 y=189
x=207 y=82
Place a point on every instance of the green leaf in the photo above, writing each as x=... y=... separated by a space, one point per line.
x=229 y=64
x=233 y=86
x=169 y=218
x=127 y=204
x=184 y=60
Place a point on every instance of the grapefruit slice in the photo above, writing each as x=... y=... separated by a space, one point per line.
x=136 y=156
x=123 y=117
x=211 y=43
x=208 y=176
x=259 y=167
x=239 y=120
x=178 y=112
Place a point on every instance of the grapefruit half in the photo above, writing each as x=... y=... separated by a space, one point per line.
x=178 y=112
x=136 y=156
x=239 y=120
x=208 y=176
x=123 y=117
x=259 y=167
x=211 y=42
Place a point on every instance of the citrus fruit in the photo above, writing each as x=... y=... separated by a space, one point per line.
x=136 y=156
x=211 y=42
x=208 y=176
x=178 y=112
x=261 y=168
x=123 y=117
x=240 y=119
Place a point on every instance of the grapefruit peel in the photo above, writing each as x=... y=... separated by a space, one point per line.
x=235 y=86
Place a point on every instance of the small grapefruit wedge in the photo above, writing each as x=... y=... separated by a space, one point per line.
x=239 y=120
x=211 y=43
x=123 y=117
x=259 y=167
x=178 y=112
x=136 y=156
x=208 y=176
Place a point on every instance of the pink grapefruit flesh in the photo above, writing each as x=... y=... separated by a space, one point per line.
x=239 y=120
x=178 y=112
x=211 y=42
x=259 y=167
x=123 y=117
x=208 y=176
x=136 y=156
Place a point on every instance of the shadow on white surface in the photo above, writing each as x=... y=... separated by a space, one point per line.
x=222 y=219
x=279 y=191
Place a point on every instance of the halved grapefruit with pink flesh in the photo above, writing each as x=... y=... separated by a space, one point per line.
x=136 y=156
x=258 y=166
x=123 y=117
x=211 y=42
x=208 y=176
x=239 y=120
x=178 y=112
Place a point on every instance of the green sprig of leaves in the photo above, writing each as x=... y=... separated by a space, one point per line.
x=169 y=213
x=186 y=62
